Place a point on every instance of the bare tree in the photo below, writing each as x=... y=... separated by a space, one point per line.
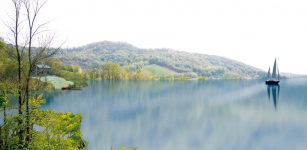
x=34 y=31
x=15 y=29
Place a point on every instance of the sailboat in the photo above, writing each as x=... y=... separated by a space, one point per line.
x=274 y=78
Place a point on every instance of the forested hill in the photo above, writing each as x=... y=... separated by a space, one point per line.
x=170 y=62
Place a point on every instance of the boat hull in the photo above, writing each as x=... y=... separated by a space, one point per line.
x=71 y=88
x=272 y=82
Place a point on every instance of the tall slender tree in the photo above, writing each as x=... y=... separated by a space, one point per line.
x=31 y=9
x=15 y=29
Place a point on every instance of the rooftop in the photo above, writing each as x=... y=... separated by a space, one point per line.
x=41 y=66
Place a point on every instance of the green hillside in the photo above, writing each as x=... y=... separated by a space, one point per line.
x=158 y=61
x=157 y=71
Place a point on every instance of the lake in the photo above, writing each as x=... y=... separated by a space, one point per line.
x=190 y=115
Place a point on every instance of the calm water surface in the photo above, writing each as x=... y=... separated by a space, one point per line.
x=190 y=115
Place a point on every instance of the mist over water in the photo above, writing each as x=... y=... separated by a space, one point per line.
x=185 y=115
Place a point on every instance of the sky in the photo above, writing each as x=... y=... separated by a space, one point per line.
x=253 y=32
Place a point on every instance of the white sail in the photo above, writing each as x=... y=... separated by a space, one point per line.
x=278 y=74
x=274 y=70
x=269 y=73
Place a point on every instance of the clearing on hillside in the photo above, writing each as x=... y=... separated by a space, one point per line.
x=157 y=71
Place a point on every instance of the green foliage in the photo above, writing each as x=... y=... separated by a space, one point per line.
x=33 y=128
x=182 y=78
x=111 y=71
x=201 y=78
x=71 y=73
x=59 y=130
x=171 y=78
x=153 y=78
x=168 y=78
x=140 y=75
x=156 y=71
x=4 y=99
x=8 y=69
x=124 y=148
x=52 y=130
x=127 y=148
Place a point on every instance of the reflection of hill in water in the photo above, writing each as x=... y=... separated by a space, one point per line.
x=184 y=88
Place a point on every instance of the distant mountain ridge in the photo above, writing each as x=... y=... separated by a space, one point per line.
x=95 y=55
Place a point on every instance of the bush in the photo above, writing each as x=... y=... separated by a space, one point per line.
x=201 y=78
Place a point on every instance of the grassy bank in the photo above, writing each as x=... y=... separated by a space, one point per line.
x=57 y=82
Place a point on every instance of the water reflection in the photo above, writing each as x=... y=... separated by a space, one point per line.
x=274 y=91
x=186 y=115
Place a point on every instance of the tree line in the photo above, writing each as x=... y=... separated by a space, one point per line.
x=113 y=71
x=69 y=72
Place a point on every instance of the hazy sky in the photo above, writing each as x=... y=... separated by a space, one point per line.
x=250 y=31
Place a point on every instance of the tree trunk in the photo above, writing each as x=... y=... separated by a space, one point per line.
x=20 y=101
x=27 y=86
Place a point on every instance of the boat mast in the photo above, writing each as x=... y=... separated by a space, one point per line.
x=274 y=70
x=269 y=73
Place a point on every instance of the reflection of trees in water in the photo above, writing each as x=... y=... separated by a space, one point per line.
x=274 y=91
x=183 y=90
x=49 y=95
